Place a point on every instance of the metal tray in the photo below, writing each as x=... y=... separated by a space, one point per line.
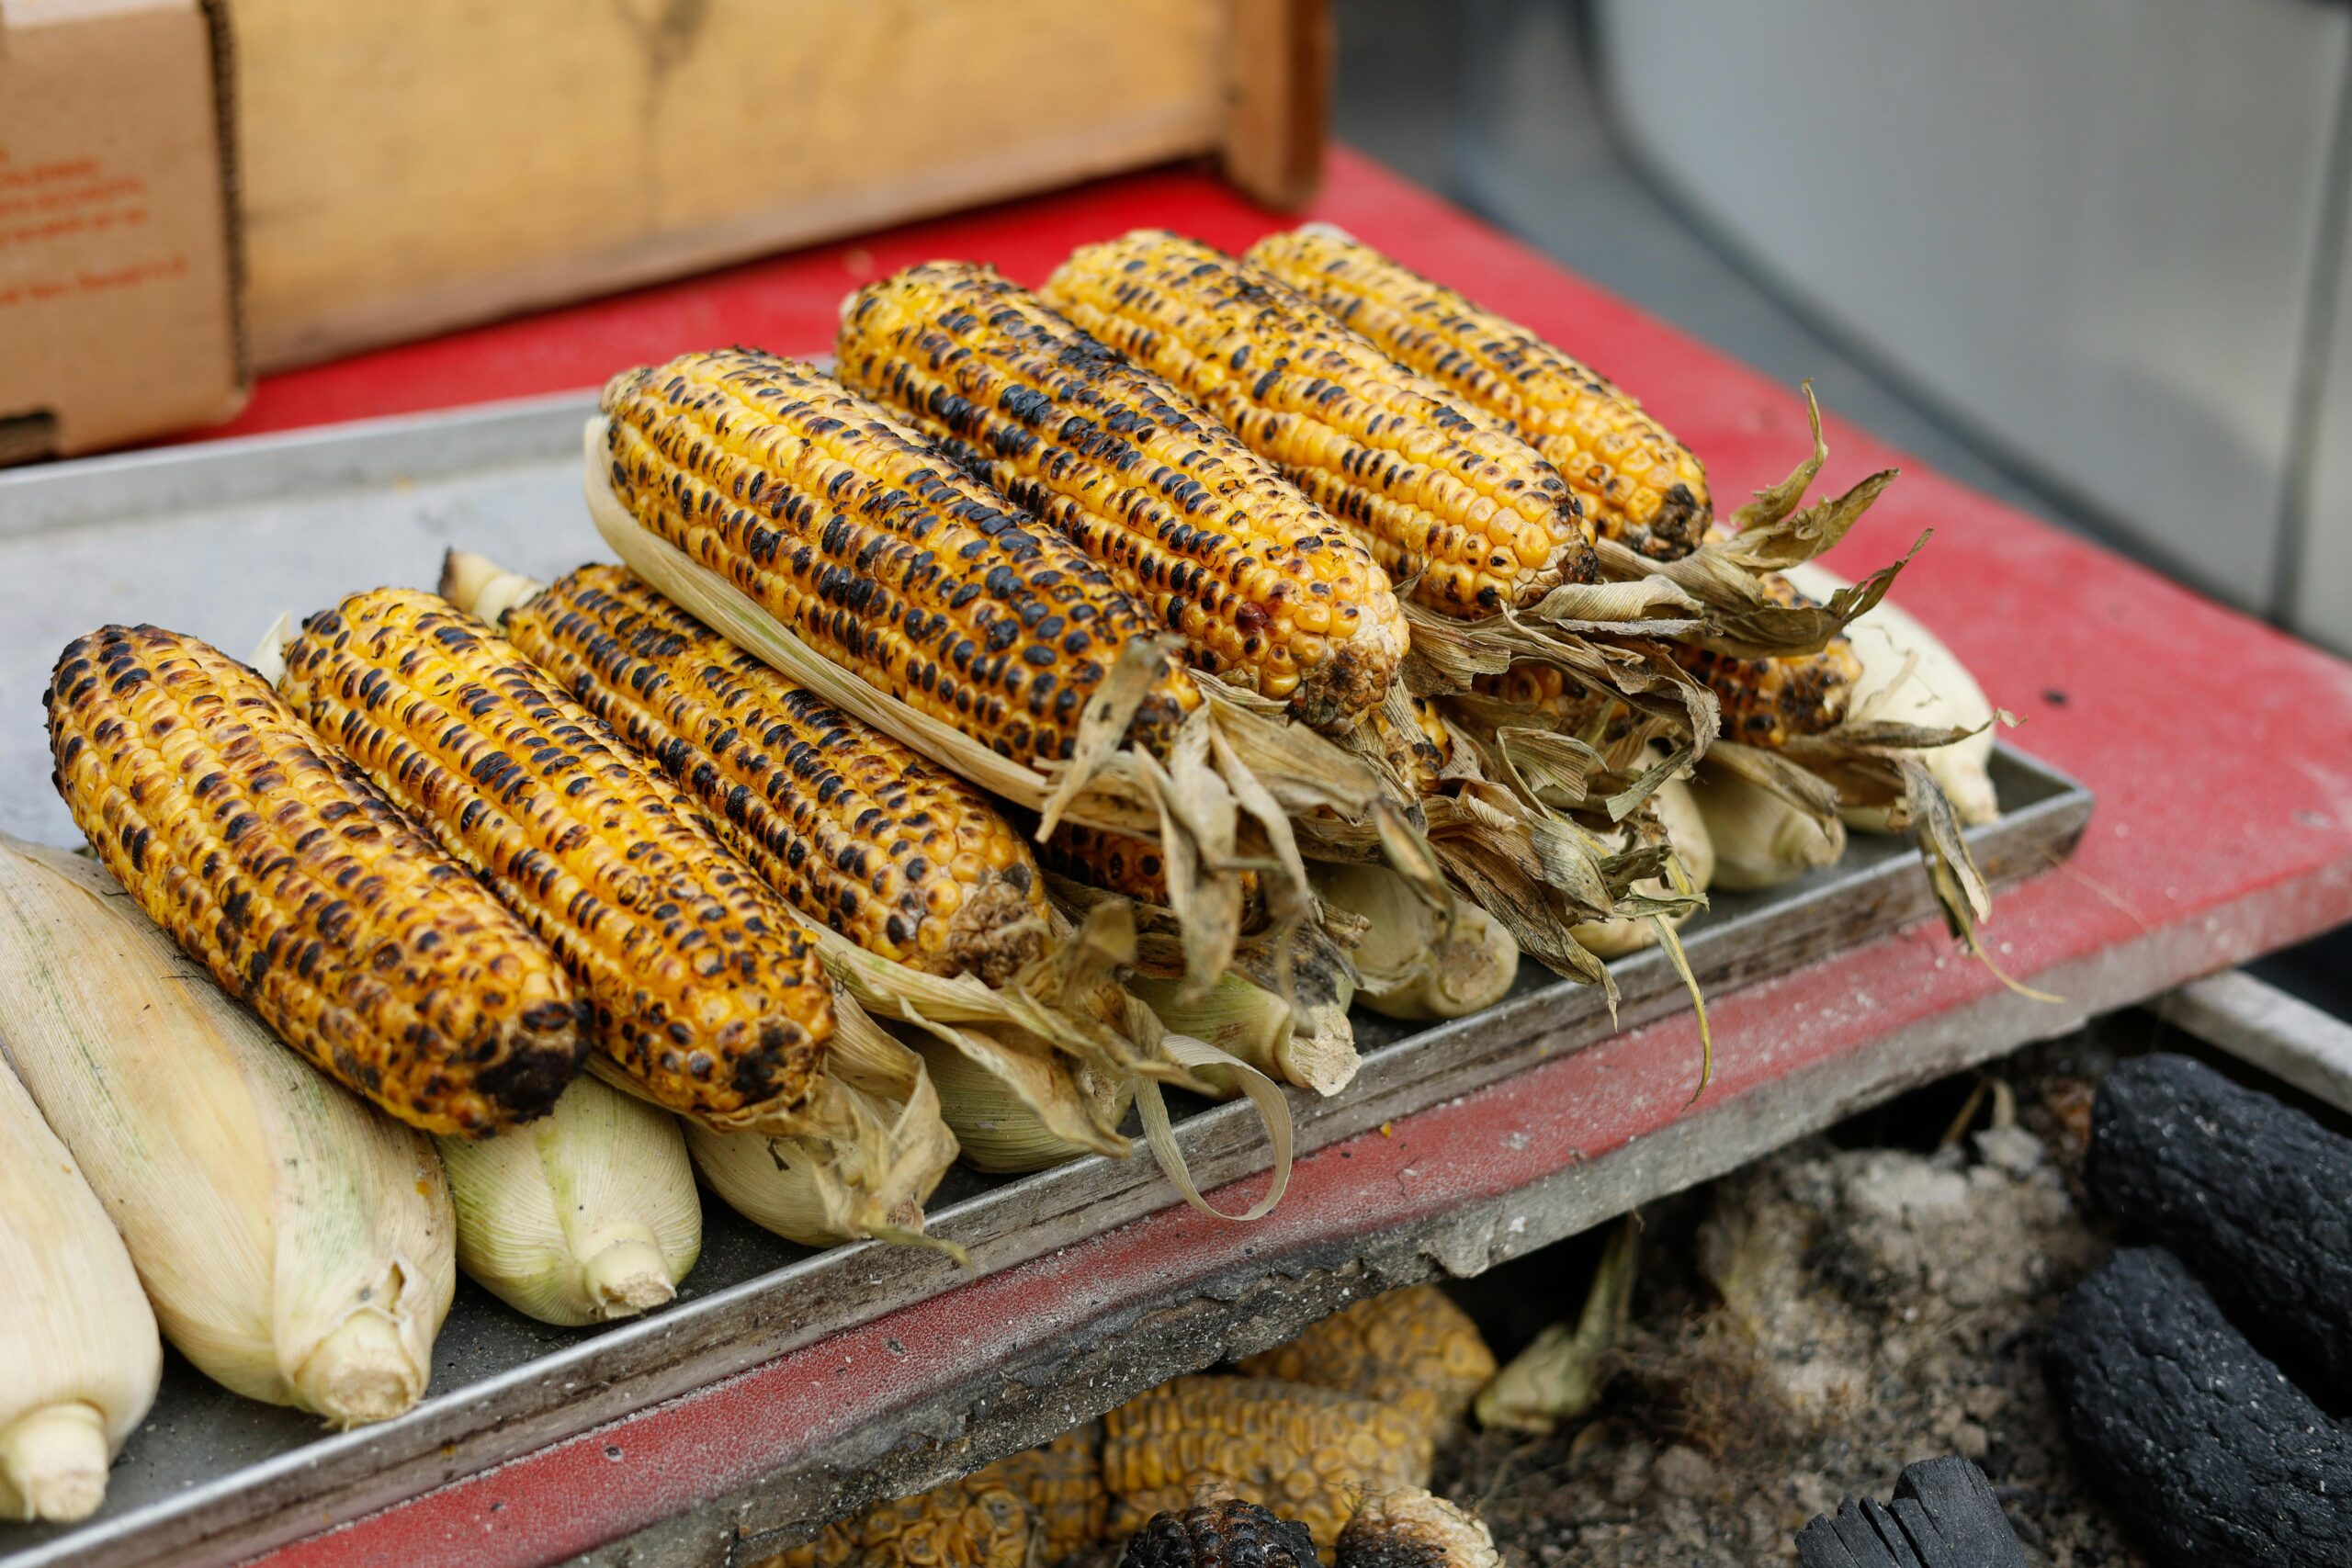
x=217 y=540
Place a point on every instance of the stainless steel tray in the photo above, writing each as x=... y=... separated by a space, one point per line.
x=217 y=540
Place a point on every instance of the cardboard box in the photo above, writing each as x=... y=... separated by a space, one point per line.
x=418 y=167
x=119 y=271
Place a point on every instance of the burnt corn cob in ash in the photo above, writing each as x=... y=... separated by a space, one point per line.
x=873 y=547
x=1447 y=498
x=856 y=830
x=1220 y=1532
x=1309 y=1451
x=1413 y=1528
x=282 y=870
x=1266 y=589
x=1411 y=1349
x=707 y=993
x=1637 y=483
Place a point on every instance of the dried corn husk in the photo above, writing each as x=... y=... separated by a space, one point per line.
x=1251 y=1022
x=999 y=1126
x=1685 y=829
x=1910 y=677
x=585 y=1215
x=297 y=1247
x=869 y=1180
x=79 y=1359
x=1222 y=801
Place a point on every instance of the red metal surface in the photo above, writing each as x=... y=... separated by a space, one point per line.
x=2221 y=753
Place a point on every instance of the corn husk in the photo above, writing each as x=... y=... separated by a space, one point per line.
x=79 y=1357
x=1686 y=828
x=1237 y=789
x=585 y=1215
x=1562 y=1374
x=1910 y=677
x=1413 y=963
x=1760 y=837
x=1246 y=1020
x=999 y=1127
x=297 y=1247
x=870 y=1180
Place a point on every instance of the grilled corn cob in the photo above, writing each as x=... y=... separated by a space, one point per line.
x=79 y=1359
x=1265 y=589
x=1131 y=867
x=1309 y=1452
x=1638 y=484
x=1443 y=494
x=707 y=995
x=1220 y=1531
x=869 y=545
x=297 y=1247
x=854 y=829
x=587 y=1215
x=286 y=874
x=1766 y=701
x=1411 y=1349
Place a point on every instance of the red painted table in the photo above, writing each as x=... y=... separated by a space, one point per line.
x=2220 y=750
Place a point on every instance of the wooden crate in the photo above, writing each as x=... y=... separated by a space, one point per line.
x=414 y=167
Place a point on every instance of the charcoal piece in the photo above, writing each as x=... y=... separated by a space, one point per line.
x=2252 y=1194
x=1943 y=1515
x=2207 y=1452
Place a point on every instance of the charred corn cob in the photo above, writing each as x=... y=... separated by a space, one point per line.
x=1131 y=867
x=297 y=1247
x=1265 y=589
x=970 y=1523
x=1417 y=752
x=869 y=545
x=285 y=872
x=1220 y=1532
x=1414 y=1530
x=1411 y=1349
x=79 y=1359
x=707 y=992
x=1638 y=484
x=1309 y=1452
x=1443 y=494
x=860 y=833
x=1766 y=701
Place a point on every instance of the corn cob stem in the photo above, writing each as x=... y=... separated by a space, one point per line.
x=1315 y=1052
x=54 y=1461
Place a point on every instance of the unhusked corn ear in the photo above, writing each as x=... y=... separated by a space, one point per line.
x=1411 y=1349
x=1267 y=591
x=284 y=872
x=297 y=1246
x=872 y=546
x=1442 y=493
x=1638 y=484
x=859 y=832
x=969 y=1523
x=1767 y=701
x=707 y=993
x=1307 y=1453
x=1132 y=867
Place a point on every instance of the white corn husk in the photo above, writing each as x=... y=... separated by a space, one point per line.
x=999 y=1127
x=1686 y=830
x=1760 y=840
x=297 y=1247
x=1411 y=965
x=1910 y=677
x=79 y=1359
x=587 y=1214
x=1248 y=1022
x=870 y=1181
